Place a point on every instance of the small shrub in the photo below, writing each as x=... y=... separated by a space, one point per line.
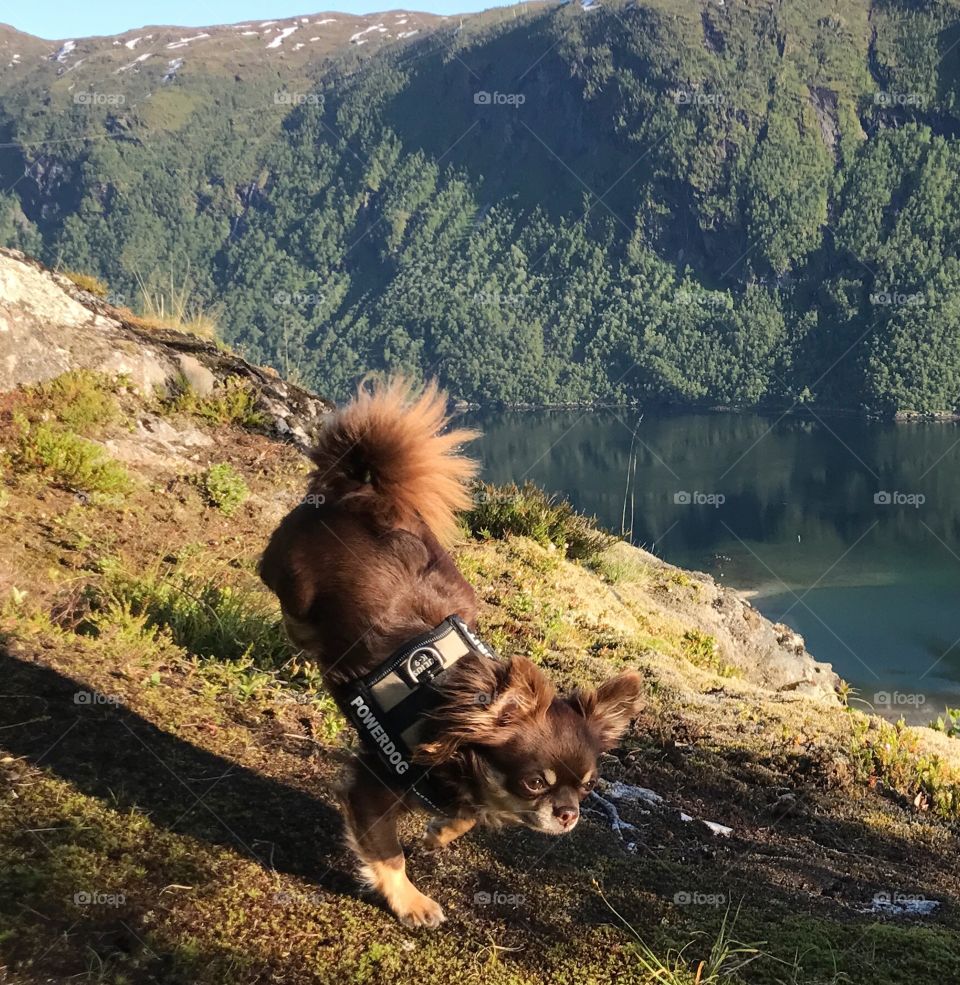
x=69 y=460
x=80 y=400
x=948 y=722
x=703 y=650
x=223 y=487
x=889 y=755
x=233 y=403
x=620 y=569
x=207 y=619
x=528 y=511
x=87 y=282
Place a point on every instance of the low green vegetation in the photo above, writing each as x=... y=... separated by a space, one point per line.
x=889 y=756
x=206 y=618
x=703 y=650
x=223 y=488
x=948 y=722
x=88 y=283
x=232 y=402
x=68 y=460
x=530 y=512
x=79 y=400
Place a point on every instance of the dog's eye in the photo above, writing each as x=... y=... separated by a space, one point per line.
x=589 y=785
x=535 y=784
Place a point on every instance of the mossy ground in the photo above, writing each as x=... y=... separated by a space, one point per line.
x=167 y=809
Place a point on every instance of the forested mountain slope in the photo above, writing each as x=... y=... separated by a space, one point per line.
x=664 y=201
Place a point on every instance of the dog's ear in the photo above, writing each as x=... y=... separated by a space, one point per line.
x=524 y=694
x=482 y=702
x=611 y=707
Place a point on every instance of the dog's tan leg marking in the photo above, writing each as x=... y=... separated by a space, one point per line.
x=371 y=813
x=443 y=830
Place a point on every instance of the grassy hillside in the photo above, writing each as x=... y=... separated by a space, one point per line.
x=167 y=806
x=682 y=202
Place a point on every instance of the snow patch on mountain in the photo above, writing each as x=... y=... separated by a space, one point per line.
x=285 y=33
x=173 y=66
x=64 y=51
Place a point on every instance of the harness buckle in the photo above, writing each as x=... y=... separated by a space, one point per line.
x=422 y=666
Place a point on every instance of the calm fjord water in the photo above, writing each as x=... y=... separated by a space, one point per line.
x=846 y=530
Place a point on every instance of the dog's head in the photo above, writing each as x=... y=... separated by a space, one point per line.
x=527 y=754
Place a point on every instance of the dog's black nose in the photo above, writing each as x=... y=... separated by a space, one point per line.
x=566 y=815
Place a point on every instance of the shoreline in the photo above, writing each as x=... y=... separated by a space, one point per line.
x=900 y=417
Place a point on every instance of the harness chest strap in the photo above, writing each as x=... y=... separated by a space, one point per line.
x=388 y=706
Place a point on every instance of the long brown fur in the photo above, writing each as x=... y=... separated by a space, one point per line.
x=388 y=449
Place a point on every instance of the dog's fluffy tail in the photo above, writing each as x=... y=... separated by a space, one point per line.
x=388 y=447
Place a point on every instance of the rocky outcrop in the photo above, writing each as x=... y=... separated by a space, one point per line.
x=769 y=654
x=48 y=325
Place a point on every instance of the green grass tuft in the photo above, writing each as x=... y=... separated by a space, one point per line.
x=68 y=460
x=223 y=487
x=207 y=619
x=528 y=511
x=233 y=403
x=80 y=400
x=87 y=282
x=889 y=756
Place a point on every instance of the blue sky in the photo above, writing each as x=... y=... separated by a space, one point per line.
x=55 y=20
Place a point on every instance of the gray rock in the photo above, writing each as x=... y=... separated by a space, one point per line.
x=49 y=326
x=199 y=378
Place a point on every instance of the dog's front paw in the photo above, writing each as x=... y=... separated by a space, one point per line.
x=420 y=911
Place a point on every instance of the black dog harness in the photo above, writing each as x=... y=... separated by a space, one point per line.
x=388 y=706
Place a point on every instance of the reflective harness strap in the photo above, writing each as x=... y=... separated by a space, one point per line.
x=388 y=706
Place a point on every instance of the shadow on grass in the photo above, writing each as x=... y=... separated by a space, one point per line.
x=110 y=752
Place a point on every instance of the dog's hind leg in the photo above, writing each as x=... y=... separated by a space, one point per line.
x=371 y=810
x=443 y=830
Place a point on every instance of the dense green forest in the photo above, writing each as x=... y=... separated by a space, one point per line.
x=667 y=201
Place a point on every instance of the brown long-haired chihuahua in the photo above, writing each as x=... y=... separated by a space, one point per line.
x=360 y=568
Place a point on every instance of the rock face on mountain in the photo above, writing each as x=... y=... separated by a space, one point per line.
x=48 y=325
x=770 y=654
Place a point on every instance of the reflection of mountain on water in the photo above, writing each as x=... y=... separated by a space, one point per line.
x=779 y=479
x=798 y=517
